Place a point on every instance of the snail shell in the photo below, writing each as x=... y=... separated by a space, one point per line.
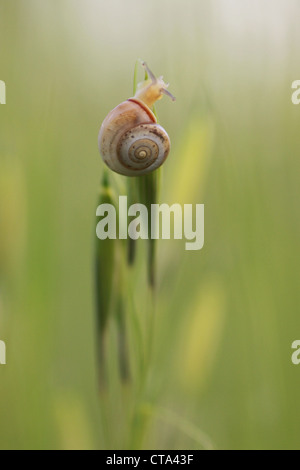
x=131 y=142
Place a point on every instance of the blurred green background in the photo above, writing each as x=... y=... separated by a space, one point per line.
x=227 y=315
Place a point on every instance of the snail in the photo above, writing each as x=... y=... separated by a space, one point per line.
x=131 y=142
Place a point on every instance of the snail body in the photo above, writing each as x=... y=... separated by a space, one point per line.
x=131 y=142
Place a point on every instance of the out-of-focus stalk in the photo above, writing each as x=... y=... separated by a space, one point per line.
x=148 y=194
x=111 y=291
x=104 y=273
x=144 y=189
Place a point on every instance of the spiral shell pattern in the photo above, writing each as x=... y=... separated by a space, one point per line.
x=143 y=149
x=131 y=142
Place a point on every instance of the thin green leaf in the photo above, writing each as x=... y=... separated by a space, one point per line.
x=104 y=275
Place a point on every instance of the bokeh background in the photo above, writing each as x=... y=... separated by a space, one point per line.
x=227 y=315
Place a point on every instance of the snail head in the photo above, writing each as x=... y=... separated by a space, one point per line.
x=152 y=89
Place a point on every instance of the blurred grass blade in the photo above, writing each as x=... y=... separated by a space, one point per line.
x=122 y=335
x=122 y=295
x=104 y=272
x=144 y=189
x=137 y=194
x=132 y=194
x=135 y=76
x=132 y=182
x=186 y=427
x=194 y=153
x=148 y=195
